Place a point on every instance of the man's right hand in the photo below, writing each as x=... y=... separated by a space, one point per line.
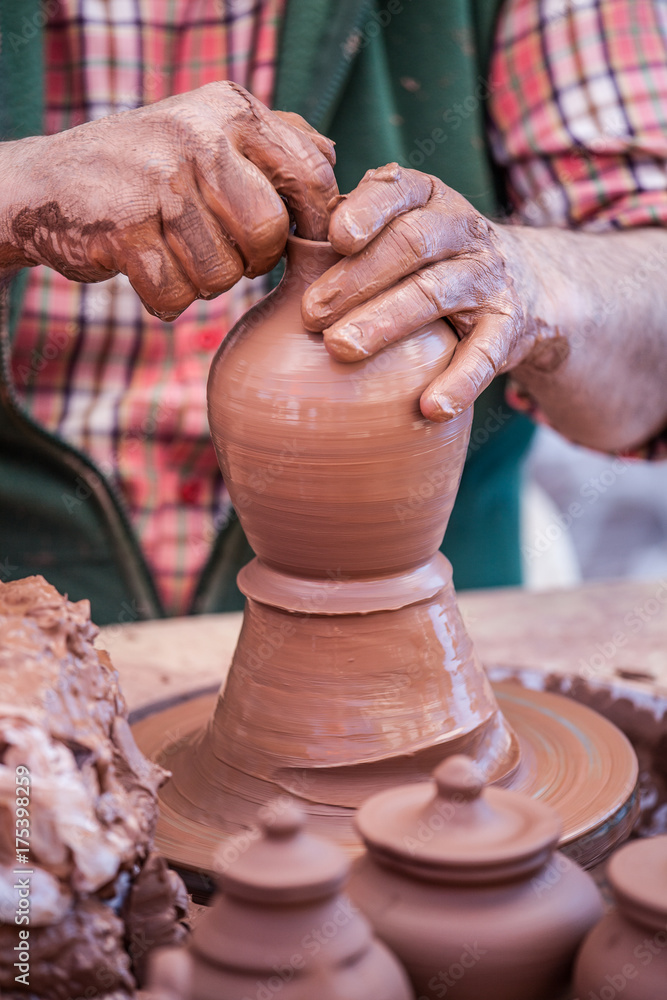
x=183 y=196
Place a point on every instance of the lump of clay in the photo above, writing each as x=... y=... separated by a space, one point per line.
x=99 y=899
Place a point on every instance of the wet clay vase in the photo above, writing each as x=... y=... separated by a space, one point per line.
x=626 y=953
x=464 y=884
x=353 y=669
x=281 y=926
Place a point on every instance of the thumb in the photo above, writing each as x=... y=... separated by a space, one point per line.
x=476 y=361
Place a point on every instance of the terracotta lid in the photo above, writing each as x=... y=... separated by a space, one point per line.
x=285 y=864
x=453 y=829
x=637 y=874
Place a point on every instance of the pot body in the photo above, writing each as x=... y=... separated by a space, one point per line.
x=320 y=950
x=331 y=467
x=510 y=941
x=623 y=958
x=353 y=667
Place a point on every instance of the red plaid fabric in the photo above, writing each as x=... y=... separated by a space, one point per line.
x=89 y=361
x=579 y=111
x=579 y=120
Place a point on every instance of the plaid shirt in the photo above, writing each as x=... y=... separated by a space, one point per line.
x=579 y=120
x=578 y=113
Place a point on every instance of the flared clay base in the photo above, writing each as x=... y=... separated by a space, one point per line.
x=571 y=758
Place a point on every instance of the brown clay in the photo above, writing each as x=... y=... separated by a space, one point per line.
x=464 y=884
x=99 y=898
x=626 y=953
x=281 y=924
x=353 y=665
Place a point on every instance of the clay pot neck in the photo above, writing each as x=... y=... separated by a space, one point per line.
x=308 y=259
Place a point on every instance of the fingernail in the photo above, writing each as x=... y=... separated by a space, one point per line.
x=347 y=343
x=439 y=408
x=318 y=305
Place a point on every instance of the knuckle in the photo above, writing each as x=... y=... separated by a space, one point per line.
x=268 y=234
x=484 y=281
x=473 y=228
x=409 y=239
x=309 y=163
x=218 y=89
x=215 y=276
x=487 y=356
x=428 y=286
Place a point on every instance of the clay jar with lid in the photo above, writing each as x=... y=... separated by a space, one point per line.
x=281 y=926
x=464 y=884
x=626 y=953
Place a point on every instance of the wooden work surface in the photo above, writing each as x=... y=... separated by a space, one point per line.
x=601 y=640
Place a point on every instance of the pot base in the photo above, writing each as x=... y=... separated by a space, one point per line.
x=571 y=757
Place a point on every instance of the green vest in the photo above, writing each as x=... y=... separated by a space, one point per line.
x=396 y=80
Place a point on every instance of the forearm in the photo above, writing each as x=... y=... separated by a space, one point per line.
x=17 y=164
x=595 y=308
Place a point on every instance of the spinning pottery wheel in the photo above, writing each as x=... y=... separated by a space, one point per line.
x=353 y=671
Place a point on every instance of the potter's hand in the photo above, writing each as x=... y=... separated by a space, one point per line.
x=578 y=317
x=183 y=196
x=416 y=250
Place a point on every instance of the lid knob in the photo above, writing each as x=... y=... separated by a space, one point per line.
x=459 y=778
x=279 y=823
x=286 y=864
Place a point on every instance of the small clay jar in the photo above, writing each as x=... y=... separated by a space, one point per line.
x=465 y=886
x=281 y=926
x=626 y=953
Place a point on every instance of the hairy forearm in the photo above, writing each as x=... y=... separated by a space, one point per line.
x=15 y=193
x=595 y=306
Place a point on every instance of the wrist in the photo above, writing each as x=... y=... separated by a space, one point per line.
x=519 y=270
x=540 y=291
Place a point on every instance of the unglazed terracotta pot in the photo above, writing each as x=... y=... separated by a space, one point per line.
x=281 y=926
x=353 y=669
x=626 y=953
x=465 y=886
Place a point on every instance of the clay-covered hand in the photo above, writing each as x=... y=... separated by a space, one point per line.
x=416 y=250
x=183 y=196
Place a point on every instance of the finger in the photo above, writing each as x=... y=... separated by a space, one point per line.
x=420 y=298
x=246 y=205
x=405 y=245
x=380 y=196
x=205 y=255
x=296 y=167
x=476 y=361
x=327 y=147
x=157 y=278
